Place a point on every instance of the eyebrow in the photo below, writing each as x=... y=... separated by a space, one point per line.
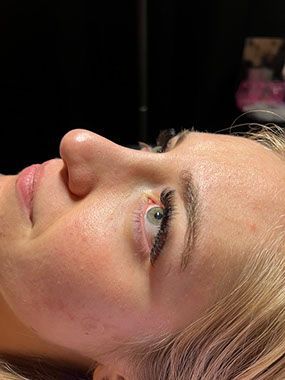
x=190 y=197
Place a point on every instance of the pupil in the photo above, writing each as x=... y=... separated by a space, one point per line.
x=158 y=215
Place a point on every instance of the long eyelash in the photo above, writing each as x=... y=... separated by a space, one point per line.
x=163 y=139
x=167 y=200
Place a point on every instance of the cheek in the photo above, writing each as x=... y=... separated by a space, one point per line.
x=86 y=285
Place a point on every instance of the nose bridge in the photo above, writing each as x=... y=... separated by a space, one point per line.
x=93 y=160
x=119 y=164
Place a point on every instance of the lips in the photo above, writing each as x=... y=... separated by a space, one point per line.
x=26 y=185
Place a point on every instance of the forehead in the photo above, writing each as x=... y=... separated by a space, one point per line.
x=233 y=161
x=235 y=149
x=240 y=186
x=241 y=183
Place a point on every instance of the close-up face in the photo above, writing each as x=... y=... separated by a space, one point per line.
x=117 y=243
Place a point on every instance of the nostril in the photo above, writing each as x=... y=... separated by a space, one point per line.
x=65 y=178
x=64 y=174
x=80 y=180
x=72 y=190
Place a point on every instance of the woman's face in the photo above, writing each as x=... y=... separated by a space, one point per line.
x=80 y=274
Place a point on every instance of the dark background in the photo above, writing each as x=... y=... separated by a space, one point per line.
x=74 y=64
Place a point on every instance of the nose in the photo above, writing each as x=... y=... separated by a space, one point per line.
x=93 y=160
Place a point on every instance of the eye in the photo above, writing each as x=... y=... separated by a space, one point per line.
x=153 y=218
x=161 y=218
x=154 y=215
x=153 y=223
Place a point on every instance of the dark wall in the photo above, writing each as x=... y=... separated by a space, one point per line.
x=67 y=64
x=74 y=64
x=195 y=58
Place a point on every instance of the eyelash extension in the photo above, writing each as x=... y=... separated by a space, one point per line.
x=167 y=200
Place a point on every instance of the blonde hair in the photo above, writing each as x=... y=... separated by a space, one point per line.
x=241 y=336
x=16 y=367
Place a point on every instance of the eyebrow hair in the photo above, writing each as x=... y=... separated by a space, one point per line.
x=190 y=197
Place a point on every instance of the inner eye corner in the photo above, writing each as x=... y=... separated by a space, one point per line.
x=153 y=198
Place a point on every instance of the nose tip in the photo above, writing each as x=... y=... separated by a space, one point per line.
x=76 y=150
x=73 y=141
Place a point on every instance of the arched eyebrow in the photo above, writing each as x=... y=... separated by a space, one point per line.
x=190 y=196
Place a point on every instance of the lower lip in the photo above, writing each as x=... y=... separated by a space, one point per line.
x=26 y=184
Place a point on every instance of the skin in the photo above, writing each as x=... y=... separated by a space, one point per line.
x=73 y=282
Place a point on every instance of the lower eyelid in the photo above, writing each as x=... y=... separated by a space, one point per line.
x=142 y=244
